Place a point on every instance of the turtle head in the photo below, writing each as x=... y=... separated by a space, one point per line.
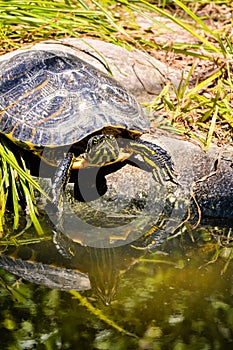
x=102 y=149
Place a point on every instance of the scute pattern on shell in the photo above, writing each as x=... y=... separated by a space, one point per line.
x=52 y=98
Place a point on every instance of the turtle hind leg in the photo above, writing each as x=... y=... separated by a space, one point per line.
x=156 y=159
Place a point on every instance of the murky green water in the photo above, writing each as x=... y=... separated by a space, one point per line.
x=176 y=296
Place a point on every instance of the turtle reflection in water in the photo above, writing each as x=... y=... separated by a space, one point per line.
x=53 y=100
x=85 y=267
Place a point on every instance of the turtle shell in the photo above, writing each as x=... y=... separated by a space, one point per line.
x=53 y=98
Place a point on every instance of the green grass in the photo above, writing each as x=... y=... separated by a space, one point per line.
x=201 y=110
x=17 y=185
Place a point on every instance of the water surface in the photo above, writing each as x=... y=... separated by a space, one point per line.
x=175 y=296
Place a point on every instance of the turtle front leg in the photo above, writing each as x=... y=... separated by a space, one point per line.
x=61 y=178
x=156 y=159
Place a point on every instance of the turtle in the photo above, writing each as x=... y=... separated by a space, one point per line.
x=51 y=99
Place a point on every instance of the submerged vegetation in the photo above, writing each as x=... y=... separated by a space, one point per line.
x=186 y=304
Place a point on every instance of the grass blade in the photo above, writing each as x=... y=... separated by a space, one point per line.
x=211 y=129
x=18 y=180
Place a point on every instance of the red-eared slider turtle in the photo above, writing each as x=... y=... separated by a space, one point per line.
x=52 y=99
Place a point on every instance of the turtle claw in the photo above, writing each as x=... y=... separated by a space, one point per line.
x=165 y=174
x=158 y=176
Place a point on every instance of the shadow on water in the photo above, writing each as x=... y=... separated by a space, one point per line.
x=175 y=295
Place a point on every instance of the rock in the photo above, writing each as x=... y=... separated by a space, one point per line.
x=143 y=75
